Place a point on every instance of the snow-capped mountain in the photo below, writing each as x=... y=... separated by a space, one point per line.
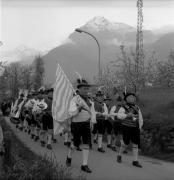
x=111 y=32
x=100 y=23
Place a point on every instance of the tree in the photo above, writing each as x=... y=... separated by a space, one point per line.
x=27 y=77
x=39 y=70
x=14 y=78
x=165 y=71
x=3 y=84
x=151 y=69
x=127 y=72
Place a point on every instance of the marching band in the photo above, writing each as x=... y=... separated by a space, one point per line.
x=91 y=116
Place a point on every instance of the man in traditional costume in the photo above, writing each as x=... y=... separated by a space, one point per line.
x=29 y=117
x=108 y=124
x=117 y=133
x=132 y=123
x=100 y=118
x=47 y=121
x=80 y=126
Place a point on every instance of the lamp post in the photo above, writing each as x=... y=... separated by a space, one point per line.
x=99 y=63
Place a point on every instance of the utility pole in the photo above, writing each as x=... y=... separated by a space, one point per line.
x=139 y=65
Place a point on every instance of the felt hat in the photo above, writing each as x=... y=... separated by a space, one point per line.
x=82 y=83
x=129 y=94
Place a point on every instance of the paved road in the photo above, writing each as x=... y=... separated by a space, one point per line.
x=104 y=166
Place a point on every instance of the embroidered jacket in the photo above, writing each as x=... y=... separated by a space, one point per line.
x=135 y=121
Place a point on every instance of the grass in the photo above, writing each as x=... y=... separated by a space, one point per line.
x=20 y=163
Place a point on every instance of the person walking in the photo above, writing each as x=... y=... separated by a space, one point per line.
x=81 y=123
x=132 y=122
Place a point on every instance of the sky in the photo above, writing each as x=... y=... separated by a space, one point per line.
x=44 y=24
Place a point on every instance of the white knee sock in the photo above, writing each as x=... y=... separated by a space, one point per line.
x=121 y=149
x=32 y=130
x=100 y=138
x=135 y=152
x=70 y=151
x=95 y=136
x=49 y=138
x=85 y=153
x=37 y=132
x=109 y=139
x=66 y=137
x=42 y=136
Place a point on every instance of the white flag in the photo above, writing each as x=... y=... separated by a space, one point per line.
x=63 y=93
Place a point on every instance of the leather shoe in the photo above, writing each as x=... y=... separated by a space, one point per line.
x=49 y=146
x=85 y=168
x=137 y=164
x=68 y=161
x=78 y=149
x=101 y=150
x=119 y=159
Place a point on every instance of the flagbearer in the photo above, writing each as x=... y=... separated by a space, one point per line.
x=81 y=120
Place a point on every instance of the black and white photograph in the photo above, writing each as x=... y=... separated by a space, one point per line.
x=86 y=89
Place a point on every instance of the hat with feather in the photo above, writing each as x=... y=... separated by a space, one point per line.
x=81 y=82
x=21 y=93
x=99 y=91
x=129 y=94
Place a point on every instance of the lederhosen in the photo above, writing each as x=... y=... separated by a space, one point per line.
x=81 y=130
x=108 y=123
x=130 y=126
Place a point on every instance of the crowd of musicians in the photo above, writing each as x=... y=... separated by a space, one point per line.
x=118 y=120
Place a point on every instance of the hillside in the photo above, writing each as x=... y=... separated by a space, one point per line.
x=81 y=52
x=164 y=45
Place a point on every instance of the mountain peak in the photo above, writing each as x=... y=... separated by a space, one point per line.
x=100 y=23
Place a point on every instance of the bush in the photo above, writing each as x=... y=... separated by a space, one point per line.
x=158 y=122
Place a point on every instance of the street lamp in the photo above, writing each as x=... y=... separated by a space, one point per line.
x=99 y=63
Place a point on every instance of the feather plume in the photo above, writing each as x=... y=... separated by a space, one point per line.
x=100 y=88
x=125 y=90
x=79 y=77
